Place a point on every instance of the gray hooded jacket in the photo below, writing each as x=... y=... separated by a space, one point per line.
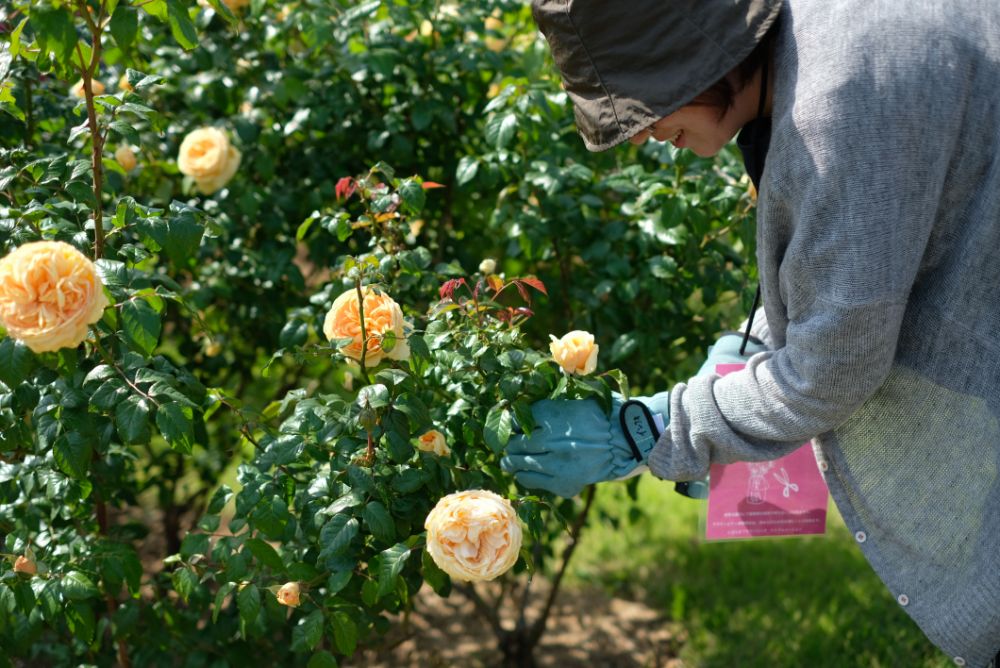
x=879 y=257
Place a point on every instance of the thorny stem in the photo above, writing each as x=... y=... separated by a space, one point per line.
x=114 y=365
x=96 y=139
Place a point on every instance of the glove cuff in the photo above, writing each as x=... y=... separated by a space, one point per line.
x=639 y=425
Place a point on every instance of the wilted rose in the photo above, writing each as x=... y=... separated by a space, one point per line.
x=488 y=266
x=25 y=565
x=289 y=594
x=433 y=441
x=96 y=86
x=125 y=157
x=382 y=316
x=473 y=535
x=49 y=294
x=575 y=352
x=207 y=157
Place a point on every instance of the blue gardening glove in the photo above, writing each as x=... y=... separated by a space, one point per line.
x=575 y=443
x=726 y=350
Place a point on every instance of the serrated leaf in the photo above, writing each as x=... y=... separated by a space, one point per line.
x=124 y=25
x=220 y=596
x=72 y=452
x=132 y=419
x=467 y=169
x=413 y=196
x=308 y=633
x=390 y=565
x=248 y=602
x=16 y=361
x=142 y=325
x=180 y=25
x=78 y=587
x=337 y=534
x=379 y=521
x=265 y=554
x=185 y=582
x=176 y=424
x=498 y=428
x=345 y=632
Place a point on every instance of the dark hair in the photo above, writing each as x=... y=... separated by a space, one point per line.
x=723 y=92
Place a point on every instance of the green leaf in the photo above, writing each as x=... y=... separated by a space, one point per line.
x=54 y=32
x=78 y=587
x=308 y=633
x=413 y=196
x=322 y=659
x=497 y=430
x=72 y=452
x=248 y=601
x=220 y=597
x=142 y=325
x=468 y=166
x=195 y=543
x=180 y=25
x=176 y=424
x=345 y=632
x=379 y=522
x=16 y=362
x=434 y=576
x=81 y=622
x=337 y=534
x=185 y=582
x=265 y=554
x=390 y=565
x=132 y=418
x=124 y=25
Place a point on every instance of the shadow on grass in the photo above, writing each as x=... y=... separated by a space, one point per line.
x=810 y=601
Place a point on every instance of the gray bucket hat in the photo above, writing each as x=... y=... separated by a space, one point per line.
x=627 y=64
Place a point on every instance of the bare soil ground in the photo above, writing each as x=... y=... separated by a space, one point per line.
x=586 y=628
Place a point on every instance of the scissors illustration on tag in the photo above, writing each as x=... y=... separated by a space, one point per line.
x=789 y=486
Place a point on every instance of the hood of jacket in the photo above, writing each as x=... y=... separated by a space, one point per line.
x=625 y=65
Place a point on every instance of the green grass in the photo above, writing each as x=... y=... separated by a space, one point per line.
x=810 y=601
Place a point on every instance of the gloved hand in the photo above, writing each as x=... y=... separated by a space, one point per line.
x=575 y=443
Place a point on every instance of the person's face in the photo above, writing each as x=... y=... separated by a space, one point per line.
x=695 y=127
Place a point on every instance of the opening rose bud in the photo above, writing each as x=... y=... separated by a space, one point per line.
x=433 y=442
x=25 y=565
x=125 y=157
x=383 y=323
x=289 y=594
x=95 y=86
x=50 y=294
x=473 y=535
x=575 y=352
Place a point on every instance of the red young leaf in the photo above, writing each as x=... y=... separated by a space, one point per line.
x=427 y=185
x=535 y=283
x=448 y=287
x=345 y=187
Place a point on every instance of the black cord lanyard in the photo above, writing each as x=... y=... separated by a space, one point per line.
x=759 y=169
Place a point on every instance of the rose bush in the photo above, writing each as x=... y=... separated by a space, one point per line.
x=206 y=443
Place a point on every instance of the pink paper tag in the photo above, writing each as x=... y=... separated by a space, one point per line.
x=783 y=497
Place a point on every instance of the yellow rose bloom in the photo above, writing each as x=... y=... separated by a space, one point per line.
x=473 y=535
x=207 y=157
x=125 y=157
x=289 y=594
x=49 y=294
x=575 y=352
x=382 y=316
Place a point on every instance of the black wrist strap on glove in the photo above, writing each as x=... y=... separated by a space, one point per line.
x=639 y=428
